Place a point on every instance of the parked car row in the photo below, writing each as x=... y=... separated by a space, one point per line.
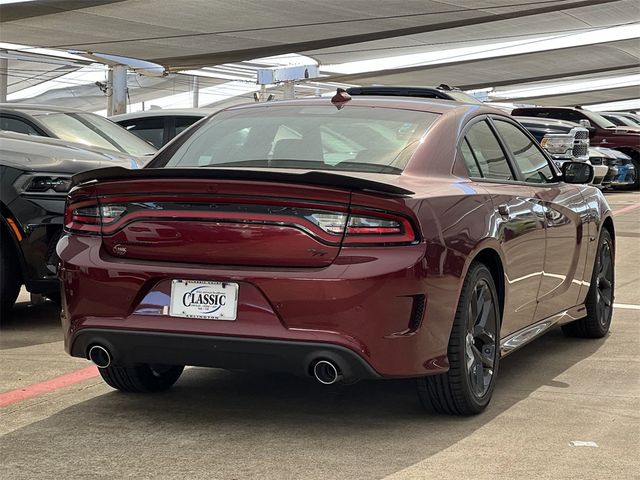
x=566 y=141
x=602 y=133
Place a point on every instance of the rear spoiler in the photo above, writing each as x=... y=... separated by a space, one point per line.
x=325 y=179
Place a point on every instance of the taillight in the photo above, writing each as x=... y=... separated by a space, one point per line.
x=89 y=217
x=380 y=230
x=332 y=223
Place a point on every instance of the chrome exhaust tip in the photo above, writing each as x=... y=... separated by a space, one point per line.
x=326 y=372
x=100 y=356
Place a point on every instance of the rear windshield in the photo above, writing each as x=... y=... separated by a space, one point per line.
x=359 y=139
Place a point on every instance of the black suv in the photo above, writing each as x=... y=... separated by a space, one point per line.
x=35 y=176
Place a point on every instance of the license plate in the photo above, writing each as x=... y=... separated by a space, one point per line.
x=202 y=299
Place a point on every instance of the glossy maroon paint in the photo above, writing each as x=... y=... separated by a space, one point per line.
x=359 y=297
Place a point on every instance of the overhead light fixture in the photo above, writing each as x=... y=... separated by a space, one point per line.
x=142 y=67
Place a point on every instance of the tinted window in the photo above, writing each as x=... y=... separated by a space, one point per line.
x=149 y=129
x=316 y=137
x=10 y=124
x=92 y=129
x=528 y=157
x=483 y=155
x=182 y=123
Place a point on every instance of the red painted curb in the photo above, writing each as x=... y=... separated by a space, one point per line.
x=626 y=209
x=47 y=386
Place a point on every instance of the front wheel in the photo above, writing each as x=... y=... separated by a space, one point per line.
x=636 y=166
x=599 y=301
x=142 y=378
x=473 y=351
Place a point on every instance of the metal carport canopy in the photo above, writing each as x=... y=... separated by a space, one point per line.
x=515 y=69
x=195 y=33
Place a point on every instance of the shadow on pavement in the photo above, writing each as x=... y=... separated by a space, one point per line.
x=28 y=324
x=219 y=424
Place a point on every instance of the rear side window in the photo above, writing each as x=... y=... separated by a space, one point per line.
x=149 y=129
x=483 y=155
x=10 y=124
x=182 y=123
x=528 y=157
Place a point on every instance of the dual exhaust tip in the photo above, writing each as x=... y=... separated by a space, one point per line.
x=324 y=371
x=100 y=356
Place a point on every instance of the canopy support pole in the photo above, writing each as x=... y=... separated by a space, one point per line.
x=117 y=92
x=195 y=91
x=4 y=77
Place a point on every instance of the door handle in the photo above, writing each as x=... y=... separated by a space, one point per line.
x=503 y=210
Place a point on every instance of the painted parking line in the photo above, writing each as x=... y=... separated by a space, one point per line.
x=48 y=386
x=628 y=306
x=626 y=209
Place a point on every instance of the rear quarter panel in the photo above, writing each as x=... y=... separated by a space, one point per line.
x=455 y=219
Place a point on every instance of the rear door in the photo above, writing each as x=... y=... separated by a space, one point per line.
x=519 y=222
x=560 y=204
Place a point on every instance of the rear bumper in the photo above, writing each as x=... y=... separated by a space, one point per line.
x=373 y=303
x=297 y=358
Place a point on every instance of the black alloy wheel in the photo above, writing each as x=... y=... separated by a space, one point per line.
x=473 y=351
x=604 y=283
x=599 y=300
x=480 y=341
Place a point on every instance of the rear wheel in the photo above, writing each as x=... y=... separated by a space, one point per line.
x=10 y=276
x=636 y=164
x=599 y=301
x=473 y=351
x=143 y=378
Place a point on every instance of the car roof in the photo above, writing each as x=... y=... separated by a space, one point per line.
x=38 y=109
x=162 y=112
x=434 y=105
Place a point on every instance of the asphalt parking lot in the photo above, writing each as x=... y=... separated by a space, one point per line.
x=563 y=408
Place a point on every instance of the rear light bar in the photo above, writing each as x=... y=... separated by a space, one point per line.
x=363 y=228
x=83 y=217
x=353 y=229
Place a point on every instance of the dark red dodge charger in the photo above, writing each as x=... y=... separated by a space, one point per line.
x=338 y=238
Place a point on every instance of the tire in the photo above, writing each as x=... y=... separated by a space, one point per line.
x=599 y=301
x=473 y=345
x=10 y=275
x=143 y=378
x=636 y=163
x=55 y=298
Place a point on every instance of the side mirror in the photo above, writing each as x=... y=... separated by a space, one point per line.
x=587 y=124
x=577 y=172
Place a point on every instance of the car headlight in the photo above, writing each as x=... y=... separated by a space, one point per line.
x=43 y=183
x=558 y=145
